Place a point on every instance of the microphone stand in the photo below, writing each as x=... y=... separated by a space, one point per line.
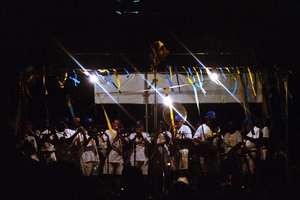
x=134 y=150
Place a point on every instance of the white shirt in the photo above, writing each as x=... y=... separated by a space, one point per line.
x=90 y=152
x=204 y=132
x=184 y=132
x=116 y=152
x=266 y=132
x=231 y=140
x=161 y=137
x=249 y=144
x=140 y=147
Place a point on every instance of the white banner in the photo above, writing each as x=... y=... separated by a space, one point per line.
x=136 y=86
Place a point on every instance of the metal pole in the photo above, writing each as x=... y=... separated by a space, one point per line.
x=287 y=124
x=155 y=101
x=146 y=97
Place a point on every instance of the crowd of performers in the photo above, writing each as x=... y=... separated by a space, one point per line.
x=180 y=155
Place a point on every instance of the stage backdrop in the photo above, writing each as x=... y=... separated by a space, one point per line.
x=134 y=87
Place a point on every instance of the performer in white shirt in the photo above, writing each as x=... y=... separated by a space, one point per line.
x=114 y=161
x=181 y=142
x=207 y=136
x=140 y=140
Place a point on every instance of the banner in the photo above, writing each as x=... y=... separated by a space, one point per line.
x=134 y=88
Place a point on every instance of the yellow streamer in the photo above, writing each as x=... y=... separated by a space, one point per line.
x=198 y=77
x=84 y=72
x=188 y=75
x=251 y=80
x=61 y=83
x=171 y=112
x=171 y=73
x=44 y=81
x=103 y=70
x=118 y=80
x=107 y=119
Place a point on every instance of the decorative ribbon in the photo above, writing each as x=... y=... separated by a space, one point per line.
x=171 y=73
x=222 y=73
x=251 y=80
x=103 y=78
x=171 y=112
x=235 y=80
x=75 y=78
x=199 y=80
x=61 y=83
x=107 y=119
x=169 y=80
x=84 y=72
x=176 y=71
x=44 y=81
x=109 y=77
x=70 y=107
x=127 y=76
x=194 y=88
x=246 y=84
x=118 y=80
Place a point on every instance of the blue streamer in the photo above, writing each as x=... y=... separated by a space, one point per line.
x=103 y=78
x=235 y=86
x=110 y=79
x=201 y=82
x=246 y=87
x=223 y=73
x=127 y=76
x=236 y=82
x=76 y=81
x=201 y=75
x=176 y=71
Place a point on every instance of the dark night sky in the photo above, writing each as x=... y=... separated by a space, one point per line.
x=269 y=28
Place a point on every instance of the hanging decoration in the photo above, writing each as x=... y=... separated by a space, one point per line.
x=118 y=80
x=222 y=73
x=102 y=77
x=235 y=80
x=127 y=76
x=176 y=71
x=171 y=113
x=62 y=79
x=109 y=77
x=107 y=120
x=252 y=82
x=194 y=88
x=69 y=103
x=200 y=83
x=169 y=80
x=44 y=80
x=76 y=81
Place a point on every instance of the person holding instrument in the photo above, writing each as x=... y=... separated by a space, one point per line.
x=181 y=142
x=140 y=140
x=114 y=161
x=206 y=138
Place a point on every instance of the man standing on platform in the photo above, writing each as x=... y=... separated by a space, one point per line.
x=114 y=161
x=207 y=138
x=140 y=140
x=180 y=147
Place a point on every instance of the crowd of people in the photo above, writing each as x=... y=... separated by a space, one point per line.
x=165 y=159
